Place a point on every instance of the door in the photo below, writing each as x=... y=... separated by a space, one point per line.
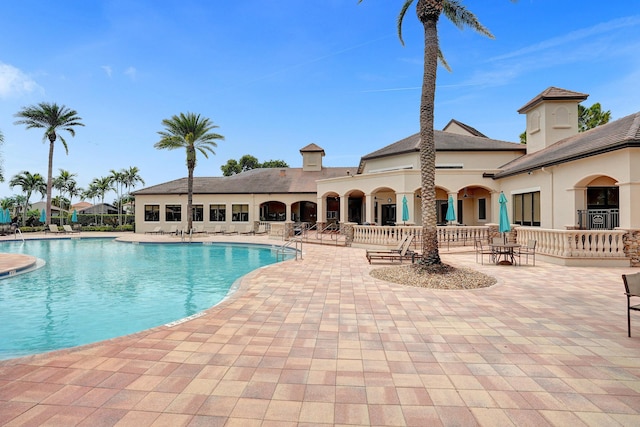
x=388 y=214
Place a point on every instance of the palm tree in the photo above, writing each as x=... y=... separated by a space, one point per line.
x=132 y=177
x=91 y=193
x=1 y=170
x=29 y=183
x=192 y=133
x=429 y=12
x=62 y=183
x=118 y=179
x=52 y=118
x=101 y=186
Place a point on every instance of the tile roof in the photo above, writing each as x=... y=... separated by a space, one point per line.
x=446 y=141
x=312 y=148
x=553 y=94
x=616 y=135
x=471 y=130
x=255 y=181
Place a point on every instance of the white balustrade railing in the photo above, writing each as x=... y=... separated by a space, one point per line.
x=384 y=235
x=389 y=235
x=575 y=243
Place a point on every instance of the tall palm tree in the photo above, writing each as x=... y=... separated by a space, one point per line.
x=117 y=179
x=191 y=132
x=91 y=193
x=52 y=118
x=429 y=12
x=102 y=186
x=28 y=183
x=1 y=170
x=62 y=183
x=132 y=178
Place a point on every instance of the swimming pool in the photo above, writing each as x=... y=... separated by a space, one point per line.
x=95 y=289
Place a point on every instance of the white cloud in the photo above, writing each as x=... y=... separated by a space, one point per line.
x=107 y=69
x=14 y=82
x=131 y=72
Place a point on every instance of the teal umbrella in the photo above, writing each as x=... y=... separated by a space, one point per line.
x=43 y=216
x=2 y=218
x=405 y=209
x=504 y=225
x=7 y=215
x=74 y=216
x=451 y=213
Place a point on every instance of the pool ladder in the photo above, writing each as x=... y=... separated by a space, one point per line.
x=288 y=245
x=15 y=235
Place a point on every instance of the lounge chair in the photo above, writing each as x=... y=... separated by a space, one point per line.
x=231 y=230
x=54 y=229
x=216 y=230
x=262 y=229
x=398 y=248
x=157 y=230
x=68 y=230
x=173 y=229
x=248 y=229
x=393 y=254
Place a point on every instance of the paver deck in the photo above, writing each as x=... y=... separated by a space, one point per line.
x=319 y=341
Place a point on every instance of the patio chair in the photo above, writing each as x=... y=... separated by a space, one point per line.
x=54 y=229
x=262 y=229
x=248 y=229
x=527 y=251
x=156 y=230
x=393 y=254
x=632 y=289
x=217 y=229
x=483 y=250
x=231 y=230
x=68 y=230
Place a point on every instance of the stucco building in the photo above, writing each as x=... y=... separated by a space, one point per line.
x=560 y=180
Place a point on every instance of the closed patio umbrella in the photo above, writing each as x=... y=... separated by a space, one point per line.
x=74 y=216
x=43 y=216
x=7 y=215
x=451 y=213
x=2 y=219
x=405 y=209
x=504 y=226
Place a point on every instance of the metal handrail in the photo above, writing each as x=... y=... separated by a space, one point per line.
x=287 y=245
x=18 y=231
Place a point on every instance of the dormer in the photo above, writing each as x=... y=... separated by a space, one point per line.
x=312 y=158
x=551 y=116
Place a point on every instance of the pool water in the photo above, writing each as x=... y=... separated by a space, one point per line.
x=95 y=289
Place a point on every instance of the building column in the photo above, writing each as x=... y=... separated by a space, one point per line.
x=370 y=204
x=344 y=208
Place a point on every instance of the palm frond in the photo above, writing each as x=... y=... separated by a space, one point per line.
x=461 y=17
x=400 y=19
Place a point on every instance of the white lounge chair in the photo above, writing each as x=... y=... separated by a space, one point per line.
x=68 y=230
x=54 y=229
x=156 y=230
x=231 y=230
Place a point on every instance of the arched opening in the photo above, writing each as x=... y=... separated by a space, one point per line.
x=273 y=211
x=355 y=207
x=602 y=205
x=304 y=211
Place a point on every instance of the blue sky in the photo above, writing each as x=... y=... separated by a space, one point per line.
x=278 y=75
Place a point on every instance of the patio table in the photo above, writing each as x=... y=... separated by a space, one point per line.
x=504 y=251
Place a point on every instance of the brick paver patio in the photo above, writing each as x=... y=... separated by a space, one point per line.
x=319 y=341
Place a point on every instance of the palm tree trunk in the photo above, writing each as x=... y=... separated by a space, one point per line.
x=427 y=143
x=52 y=140
x=190 y=199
